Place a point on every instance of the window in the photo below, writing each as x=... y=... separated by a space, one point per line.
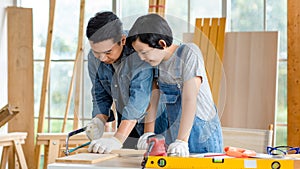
x=64 y=46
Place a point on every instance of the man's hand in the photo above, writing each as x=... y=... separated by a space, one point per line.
x=95 y=129
x=142 y=142
x=179 y=148
x=105 y=145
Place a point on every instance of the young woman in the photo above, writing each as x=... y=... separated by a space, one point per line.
x=193 y=125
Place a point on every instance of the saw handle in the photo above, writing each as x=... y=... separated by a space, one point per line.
x=67 y=151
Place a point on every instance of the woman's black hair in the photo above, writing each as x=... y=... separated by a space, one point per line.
x=150 y=29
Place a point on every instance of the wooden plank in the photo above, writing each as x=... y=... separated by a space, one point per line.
x=208 y=35
x=218 y=67
x=20 y=154
x=197 y=31
x=211 y=50
x=218 y=74
x=161 y=8
x=45 y=82
x=120 y=152
x=54 y=151
x=204 y=38
x=152 y=6
x=20 y=75
x=293 y=76
x=79 y=59
x=77 y=71
x=7 y=113
x=46 y=73
x=250 y=64
x=62 y=136
x=221 y=37
x=4 y=157
x=12 y=136
x=85 y=158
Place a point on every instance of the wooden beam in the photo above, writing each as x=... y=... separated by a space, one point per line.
x=79 y=59
x=7 y=113
x=46 y=73
x=20 y=75
x=77 y=72
x=45 y=82
x=293 y=80
x=152 y=6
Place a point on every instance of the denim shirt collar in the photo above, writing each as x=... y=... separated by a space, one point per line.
x=125 y=53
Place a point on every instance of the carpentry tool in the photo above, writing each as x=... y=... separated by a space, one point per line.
x=156 y=147
x=239 y=152
x=218 y=163
x=155 y=157
x=67 y=151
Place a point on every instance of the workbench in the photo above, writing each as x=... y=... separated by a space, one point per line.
x=114 y=163
x=128 y=162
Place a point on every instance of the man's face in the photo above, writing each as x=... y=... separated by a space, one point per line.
x=107 y=51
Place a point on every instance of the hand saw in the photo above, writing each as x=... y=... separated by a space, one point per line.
x=67 y=151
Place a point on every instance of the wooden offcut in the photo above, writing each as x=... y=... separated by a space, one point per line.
x=250 y=64
x=293 y=74
x=85 y=158
x=20 y=76
x=7 y=113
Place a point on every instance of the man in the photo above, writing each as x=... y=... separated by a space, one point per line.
x=118 y=74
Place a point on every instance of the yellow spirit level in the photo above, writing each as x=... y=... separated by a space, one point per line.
x=217 y=163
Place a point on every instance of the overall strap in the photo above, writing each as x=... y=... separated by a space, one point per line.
x=178 y=54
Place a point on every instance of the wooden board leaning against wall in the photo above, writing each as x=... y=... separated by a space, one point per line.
x=250 y=66
x=20 y=76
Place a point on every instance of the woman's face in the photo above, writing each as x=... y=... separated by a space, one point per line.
x=151 y=55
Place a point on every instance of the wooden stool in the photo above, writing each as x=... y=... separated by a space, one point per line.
x=13 y=140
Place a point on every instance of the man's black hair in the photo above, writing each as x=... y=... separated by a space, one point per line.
x=104 y=26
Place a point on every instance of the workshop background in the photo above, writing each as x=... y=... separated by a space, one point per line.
x=43 y=73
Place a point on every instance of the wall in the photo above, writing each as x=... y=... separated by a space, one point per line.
x=3 y=56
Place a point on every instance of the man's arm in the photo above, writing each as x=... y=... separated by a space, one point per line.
x=139 y=98
x=101 y=99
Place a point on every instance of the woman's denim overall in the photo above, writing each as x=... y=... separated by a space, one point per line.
x=205 y=136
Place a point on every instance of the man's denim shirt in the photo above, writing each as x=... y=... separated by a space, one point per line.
x=128 y=82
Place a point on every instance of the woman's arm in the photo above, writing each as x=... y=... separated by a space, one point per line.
x=189 y=101
x=152 y=109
